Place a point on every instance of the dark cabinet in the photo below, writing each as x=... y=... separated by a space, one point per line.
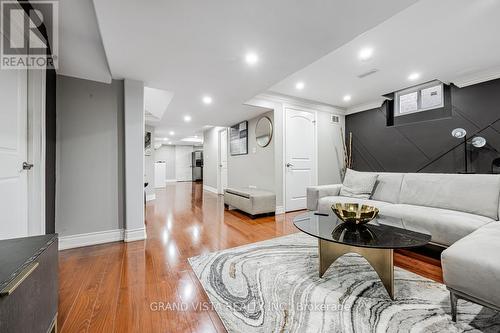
x=29 y=284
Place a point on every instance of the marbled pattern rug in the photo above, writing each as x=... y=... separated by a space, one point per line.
x=273 y=286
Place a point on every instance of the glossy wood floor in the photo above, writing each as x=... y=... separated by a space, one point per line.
x=134 y=287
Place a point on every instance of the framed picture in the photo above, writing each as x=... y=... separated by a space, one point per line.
x=238 y=139
x=147 y=144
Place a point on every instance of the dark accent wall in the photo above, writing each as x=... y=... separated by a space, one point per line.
x=417 y=146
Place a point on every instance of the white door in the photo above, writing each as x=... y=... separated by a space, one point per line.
x=222 y=185
x=160 y=174
x=300 y=170
x=183 y=163
x=13 y=152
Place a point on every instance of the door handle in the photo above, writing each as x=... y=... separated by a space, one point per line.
x=289 y=165
x=27 y=166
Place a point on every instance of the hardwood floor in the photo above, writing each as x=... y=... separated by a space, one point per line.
x=128 y=287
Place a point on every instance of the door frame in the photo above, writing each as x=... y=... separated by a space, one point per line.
x=315 y=148
x=220 y=190
x=36 y=98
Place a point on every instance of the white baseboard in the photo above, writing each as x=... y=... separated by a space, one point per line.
x=91 y=238
x=132 y=235
x=170 y=180
x=150 y=197
x=210 y=189
x=279 y=210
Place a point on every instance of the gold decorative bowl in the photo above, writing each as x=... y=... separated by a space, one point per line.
x=354 y=213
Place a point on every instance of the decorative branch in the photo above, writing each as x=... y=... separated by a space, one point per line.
x=347 y=152
x=349 y=164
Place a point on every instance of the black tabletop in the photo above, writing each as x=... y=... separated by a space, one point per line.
x=17 y=253
x=383 y=232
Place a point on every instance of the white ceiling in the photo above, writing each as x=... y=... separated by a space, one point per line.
x=81 y=53
x=192 y=48
x=188 y=131
x=449 y=40
x=156 y=102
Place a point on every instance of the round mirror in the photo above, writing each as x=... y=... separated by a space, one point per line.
x=263 y=131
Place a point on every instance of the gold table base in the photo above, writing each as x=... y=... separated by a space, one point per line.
x=381 y=260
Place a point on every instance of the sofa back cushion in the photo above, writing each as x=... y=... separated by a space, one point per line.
x=358 y=184
x=387 y=187
x=475 y=194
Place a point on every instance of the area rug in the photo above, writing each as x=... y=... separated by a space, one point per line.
x=273 y=286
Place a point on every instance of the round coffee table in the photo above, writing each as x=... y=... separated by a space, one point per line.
x=375 y=241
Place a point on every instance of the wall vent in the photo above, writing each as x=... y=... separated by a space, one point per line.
x=335 y=119
x=370 y=72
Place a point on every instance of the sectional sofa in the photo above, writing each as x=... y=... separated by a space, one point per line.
x=460 y=211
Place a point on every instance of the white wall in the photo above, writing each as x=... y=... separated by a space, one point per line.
x=167 y=154
x=327 y=164
x=134 y=164
x=89 y=159
x=183 y=163
x=257 y=167
x=278 y=136
x=149 y=165
x=210 y=156
x=330 y=149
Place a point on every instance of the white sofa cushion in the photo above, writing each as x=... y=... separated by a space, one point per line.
x=314 y=193
x=471 y=265
x=358 y=184
x=445 y=226
x=475 y=194
x=387 y=187
x=325 y=203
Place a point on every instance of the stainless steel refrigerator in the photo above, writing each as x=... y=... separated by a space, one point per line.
x=197 y=163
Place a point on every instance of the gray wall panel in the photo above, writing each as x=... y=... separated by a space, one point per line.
x=90 y=144
x=255 y=168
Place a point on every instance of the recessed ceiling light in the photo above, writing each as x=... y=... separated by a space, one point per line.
x=165 y=139
x=251 y=58
x=413 y=76
x=207 y=100
x=171 y=133
x=299 y=85
x=187 y=119
x=365 y=53
x=347 y=98
x=169 y=142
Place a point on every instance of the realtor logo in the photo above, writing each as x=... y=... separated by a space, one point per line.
x=29 y=35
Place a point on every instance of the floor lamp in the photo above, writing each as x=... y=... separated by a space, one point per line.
x=477 y=141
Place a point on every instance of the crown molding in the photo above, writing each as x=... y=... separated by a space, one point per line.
x=477 y=77
x=365 y=106
x=261 y=99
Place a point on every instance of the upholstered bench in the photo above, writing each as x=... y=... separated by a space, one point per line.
x=471 y=268
x=251 y=201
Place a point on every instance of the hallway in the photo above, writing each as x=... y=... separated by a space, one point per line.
x=136 y=287
x=122 y=287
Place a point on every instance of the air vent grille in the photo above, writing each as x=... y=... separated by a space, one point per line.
x=370 y=72
x=334 y=119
